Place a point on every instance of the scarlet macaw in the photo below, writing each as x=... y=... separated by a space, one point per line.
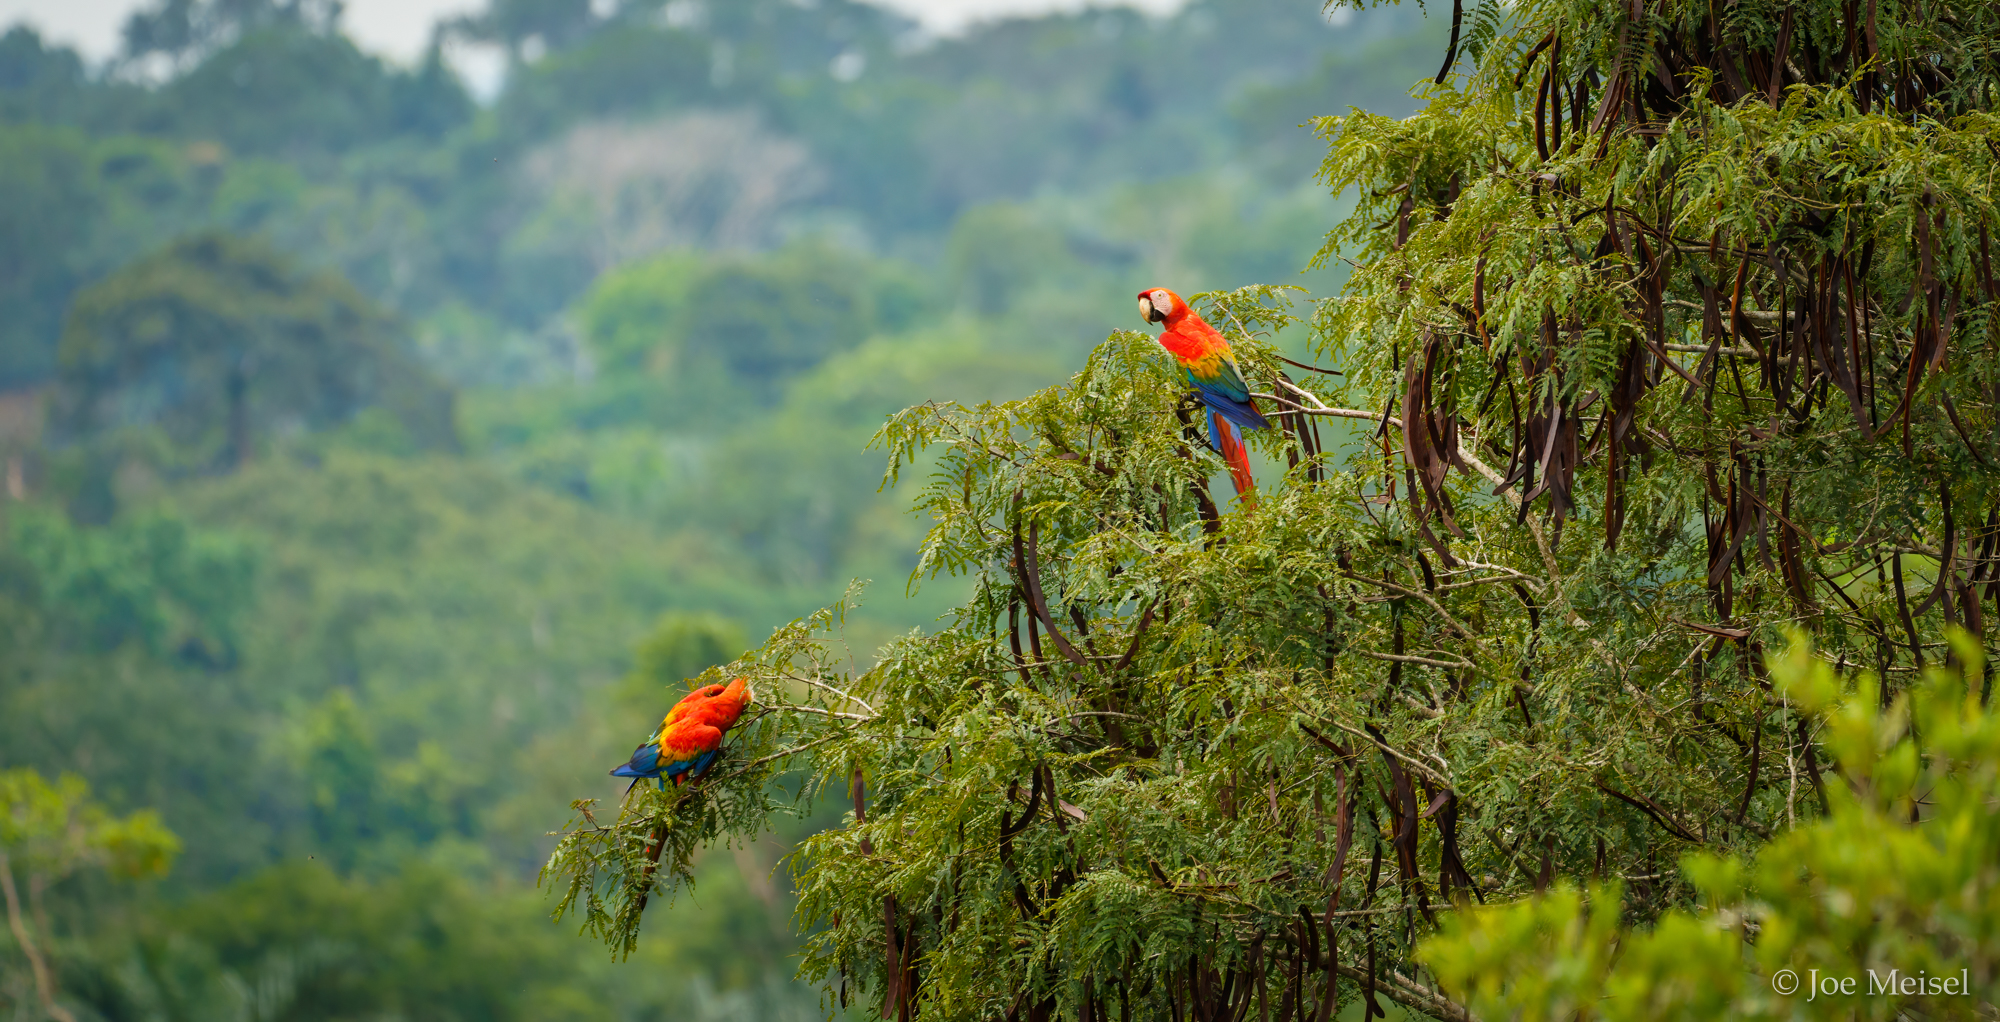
x=690 y=737
x=1204 y=354
x=684 y=748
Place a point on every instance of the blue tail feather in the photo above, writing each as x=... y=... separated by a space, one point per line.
x=1218 y=428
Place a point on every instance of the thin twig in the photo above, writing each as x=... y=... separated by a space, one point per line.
x=844 y=695
x=794 y=708
x=1415 y=764
x=1457 y=626
x=1456 y=665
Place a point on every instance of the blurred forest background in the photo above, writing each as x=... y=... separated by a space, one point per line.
x=378 y=460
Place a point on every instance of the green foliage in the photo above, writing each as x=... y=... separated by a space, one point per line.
x=422 y=200
x=758 y=321
x=417 y=691
x=301 y=941
x=217 y=341
x=179 y=29
x=406 y=735
x=679 y=649
x=52 y=830
x=513 y=23
x=789 y=488
x=810 y=510
x=119 y=663
x=632 y=70
x=46 y=191
x=421 y=940
x=1140 y=751
x=76 y=207
x=151 y=580
x=366 y=684
x=1130 y=98
x=37 y=82
x=1160 y=798
x=1892 y=890
x=306 y=95
x=998 y=252
x=1376 y=78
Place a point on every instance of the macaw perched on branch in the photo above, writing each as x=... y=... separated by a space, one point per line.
x=1204 y=354
x=689 y=740
x=690 y=737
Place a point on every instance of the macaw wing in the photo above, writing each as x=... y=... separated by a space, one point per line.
x=688 y=747
x=645 y=762
x=686 y=769
x=1222 y=389
x=1215 y=374
x=680 y=709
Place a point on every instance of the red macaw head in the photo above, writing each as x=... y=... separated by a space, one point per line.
x=1159 y=305
x=723 y=702
x=737 y=691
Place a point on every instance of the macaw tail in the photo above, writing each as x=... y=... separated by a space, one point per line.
x=1228 y=441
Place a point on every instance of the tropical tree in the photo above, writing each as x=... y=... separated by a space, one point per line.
x=1668 y=328
x=48 y=198
x=182 y=30
x=50 y=831
x=1883 y=908
x=216 y=340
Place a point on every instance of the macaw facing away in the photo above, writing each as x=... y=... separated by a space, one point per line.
x=1204 y=354
x=690 y=737
x=689 y=740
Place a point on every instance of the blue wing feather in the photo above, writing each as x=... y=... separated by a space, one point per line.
x=645 y=763
x=1232 y=402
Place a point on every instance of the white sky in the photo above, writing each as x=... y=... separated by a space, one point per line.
x=401 y=28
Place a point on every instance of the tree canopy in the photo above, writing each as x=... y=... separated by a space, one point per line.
x=1907 y=840
x=1668 y=330
x=216 y=341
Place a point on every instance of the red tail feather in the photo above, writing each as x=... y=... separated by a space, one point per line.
x=1238 y=457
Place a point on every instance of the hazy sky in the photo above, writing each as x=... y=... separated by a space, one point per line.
x=400 y=28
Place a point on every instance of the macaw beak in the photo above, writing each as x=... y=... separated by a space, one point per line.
x=1147 y=312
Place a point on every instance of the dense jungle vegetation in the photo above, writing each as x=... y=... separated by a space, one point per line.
x=1622 y=562
x=377 y=459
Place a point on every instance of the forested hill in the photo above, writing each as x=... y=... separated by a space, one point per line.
x=376 y=461
x=783 y=119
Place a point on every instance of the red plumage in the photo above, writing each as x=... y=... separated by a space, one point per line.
x=1204 y=355
x=690 y=737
